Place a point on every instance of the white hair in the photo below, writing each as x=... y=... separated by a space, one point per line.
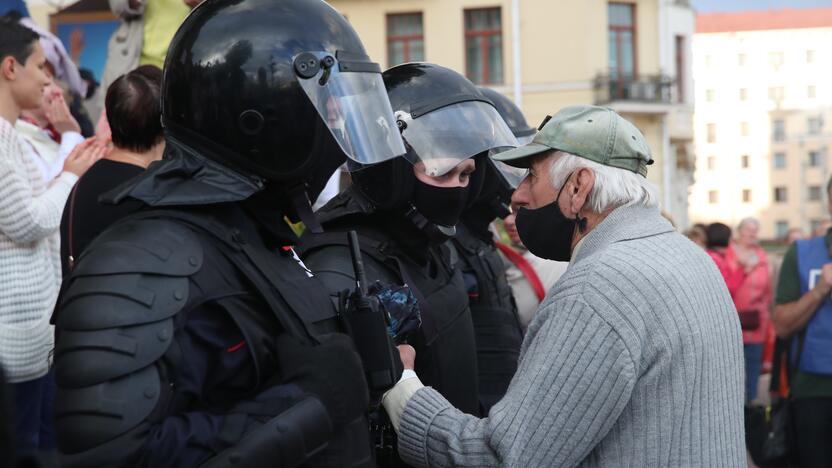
x=748 y=221
x=613 y=187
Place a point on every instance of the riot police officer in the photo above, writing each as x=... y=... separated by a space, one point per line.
x=405 y=210
x=190 y=333
x=493 y=309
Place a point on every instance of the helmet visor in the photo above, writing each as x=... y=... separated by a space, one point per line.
x=441 y=139
x=353 y=104
x=511 y=175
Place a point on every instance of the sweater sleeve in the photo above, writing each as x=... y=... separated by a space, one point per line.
x=573 y=382
x=26 y=218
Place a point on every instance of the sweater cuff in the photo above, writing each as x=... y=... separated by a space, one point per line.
x=416 y=421
x=68 y=178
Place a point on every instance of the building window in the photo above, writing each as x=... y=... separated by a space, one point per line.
x=744 y=129
x=742 y=60
x=815 y=125
x=745 y=161
x=781 y=228
x=746 y=196
x=779 y=194
x=484 y=46
x=776 y=93
x=405 y=38
x=743 y=94
x=709 y=95
x=711 y=133
x=810 y=56
x=622 y=40
x=711 y=163
x=680 y=68
x=814 y=158
x=713 y=197
x=775 y=59
x=778 y=130
x=779 y=160
x=814 y=193
x=811 y=91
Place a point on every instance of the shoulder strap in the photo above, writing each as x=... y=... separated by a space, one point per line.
x=71 y=227
x=371 y=247
x=250 y=264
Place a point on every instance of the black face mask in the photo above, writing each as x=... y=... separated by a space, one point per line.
x=440 y=205
x=546 y=232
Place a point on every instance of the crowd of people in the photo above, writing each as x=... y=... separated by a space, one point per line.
x=780 y=299
x=481 y=293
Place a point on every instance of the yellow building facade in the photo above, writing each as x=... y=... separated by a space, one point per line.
x=633 y=56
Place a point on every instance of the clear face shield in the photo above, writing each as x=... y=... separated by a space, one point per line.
x=511 y=175
x=349 y=95
x=443 y=138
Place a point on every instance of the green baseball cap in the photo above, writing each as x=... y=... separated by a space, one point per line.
x=591 y=132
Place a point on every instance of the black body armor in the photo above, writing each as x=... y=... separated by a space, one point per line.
x=445 y=343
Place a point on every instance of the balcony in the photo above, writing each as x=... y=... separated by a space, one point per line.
x=645 y=89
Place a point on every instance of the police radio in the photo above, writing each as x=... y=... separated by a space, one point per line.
x=369 y=328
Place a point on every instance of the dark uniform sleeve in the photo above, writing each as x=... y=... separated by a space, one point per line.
x=788 y=286
x=222 y=370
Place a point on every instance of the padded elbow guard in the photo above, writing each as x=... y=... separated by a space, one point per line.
x=116 y=320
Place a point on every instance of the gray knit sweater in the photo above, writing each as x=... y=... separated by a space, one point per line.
x=633 y=360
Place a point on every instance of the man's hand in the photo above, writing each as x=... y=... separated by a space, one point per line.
x=58 y=114
x=824 y=284
x=407 y=355
x=84 y=156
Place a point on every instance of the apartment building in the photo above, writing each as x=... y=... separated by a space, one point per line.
x=763 y=121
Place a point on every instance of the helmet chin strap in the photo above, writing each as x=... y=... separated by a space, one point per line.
x=436 y=232
x=303 y=207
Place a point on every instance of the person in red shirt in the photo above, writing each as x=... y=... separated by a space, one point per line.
x=744 y=266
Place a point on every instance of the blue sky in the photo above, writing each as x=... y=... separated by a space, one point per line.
x=708 y=6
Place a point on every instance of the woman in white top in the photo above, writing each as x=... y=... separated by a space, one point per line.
x=49 y=133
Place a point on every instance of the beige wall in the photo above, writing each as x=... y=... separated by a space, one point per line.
x=563 y=47
x=563 y=43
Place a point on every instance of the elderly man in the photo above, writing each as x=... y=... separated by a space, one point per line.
x=635 y=356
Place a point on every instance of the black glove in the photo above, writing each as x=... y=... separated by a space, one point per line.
x=330 y=371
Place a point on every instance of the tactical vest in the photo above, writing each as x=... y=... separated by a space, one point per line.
x=494 y=313
x=142 y=257
x=816 y=357
x=445 y=346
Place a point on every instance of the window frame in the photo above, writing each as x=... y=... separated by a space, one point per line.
x=482 y=35
x=633 y=29
x=405 y=38
x=785 y=193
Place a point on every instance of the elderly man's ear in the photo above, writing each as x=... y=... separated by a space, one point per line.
x=579 y=188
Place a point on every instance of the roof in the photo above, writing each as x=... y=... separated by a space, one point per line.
x=788 y=18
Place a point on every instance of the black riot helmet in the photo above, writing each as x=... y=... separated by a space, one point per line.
x=444 y=119
x=281 y=90
x=494 y=199
x=511 y=114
